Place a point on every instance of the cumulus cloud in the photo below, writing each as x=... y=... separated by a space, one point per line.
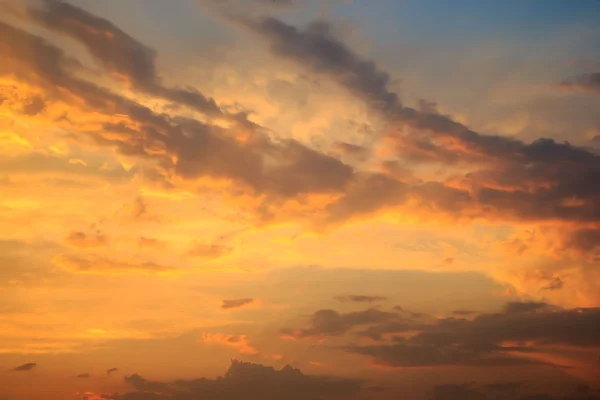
x=243 y=379
x=235 y=303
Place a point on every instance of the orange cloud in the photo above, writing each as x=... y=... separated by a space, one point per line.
x=238 y=341
x=83 y=240
x=101 y=265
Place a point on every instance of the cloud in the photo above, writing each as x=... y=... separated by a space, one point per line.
x=238 y=341
x=456 y=392
x=120 y=54
x=25 y=367
x=589 y=82
x=499 y=186
x=331 y=323
x=209 y=251
x=505 y=338
x=144 y=242
x=354 y=151
x=241 y=378
x=91 y=264
x=463 y=313
x=83 y=240
x=520 y=307
x=34 y=107
x=111 y=370
x=186 y=147
x=83 y=376
x=360 y=299
x=235 y=303
x=138 y=212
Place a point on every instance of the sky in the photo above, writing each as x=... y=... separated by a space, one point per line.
x=299 y=199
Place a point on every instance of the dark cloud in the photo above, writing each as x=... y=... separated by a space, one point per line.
x=186 y=147
x=111 y=370
x=84 y=240
x=482 y=341
x=504 y=387
x=360 y=298
x=141 y=383
x=235 y=303
x=34 y=107
x=25 y=367
x=119 y=53
x=94 y=264
x=357 y=152
x=463 y=313
x=242 y=380
x=453 y=391
x=332 y=323
x=520 y=307
x=83 y=376
x=517 y=180
x=590 y=82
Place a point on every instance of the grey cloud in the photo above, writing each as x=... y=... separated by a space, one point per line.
x=235 y=303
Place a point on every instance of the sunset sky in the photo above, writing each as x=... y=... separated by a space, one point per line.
x=299 y=199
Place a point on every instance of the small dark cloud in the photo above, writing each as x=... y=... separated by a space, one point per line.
x=141 y=383
x=25 y=367
x=235 y=303
x=354 y=151
x=83 y=376
x=360 y=299
x=331 y=323
x=111 y=370
x=589 y=82
x=209 y=251
x=34 y=107
x=504 y=387
x=463 y=313
x=523 y=307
